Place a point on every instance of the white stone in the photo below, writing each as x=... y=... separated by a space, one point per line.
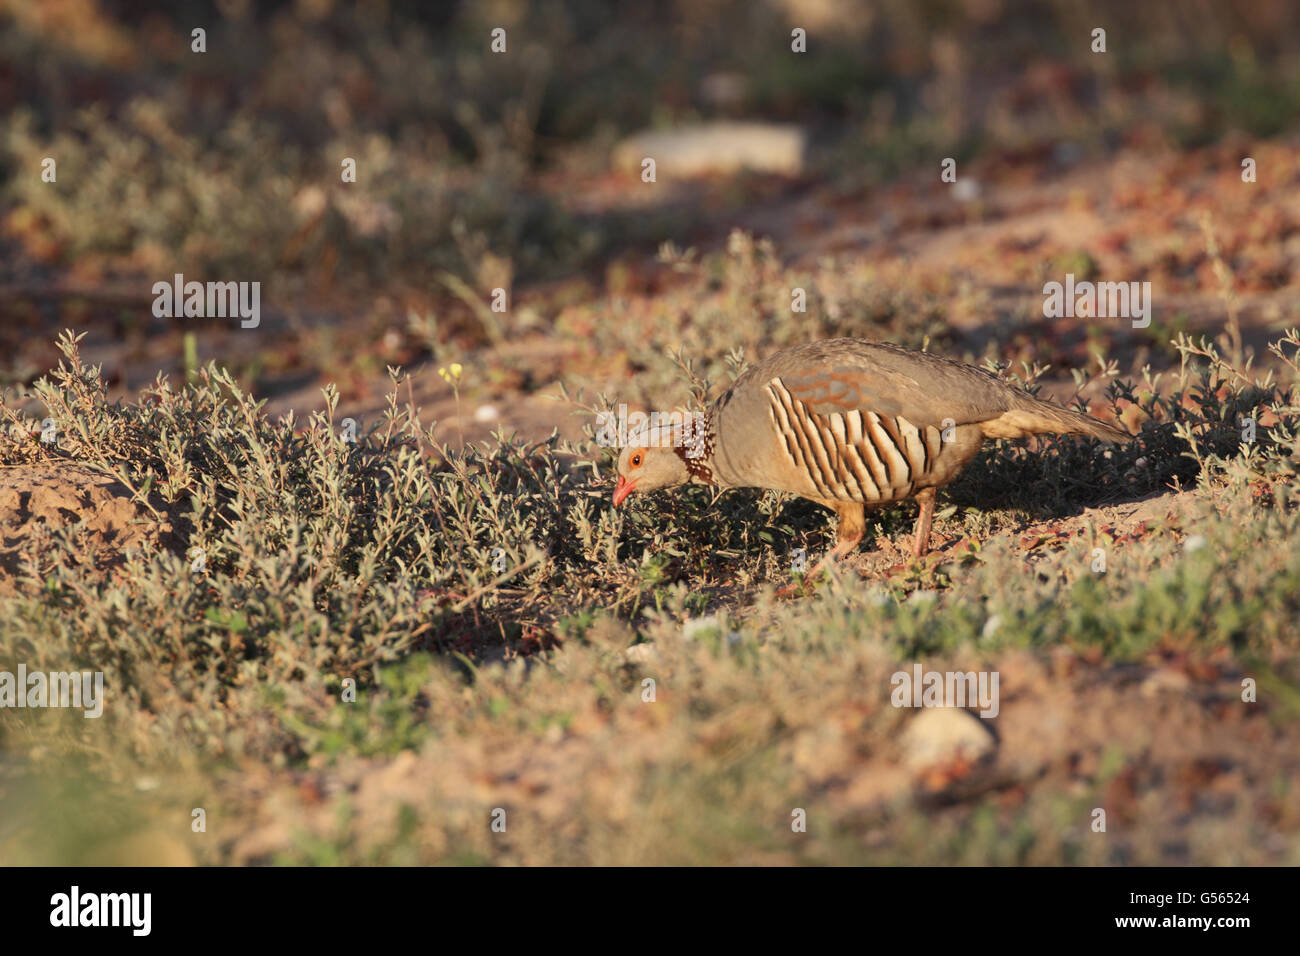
x=709 y=148
x=938 y=736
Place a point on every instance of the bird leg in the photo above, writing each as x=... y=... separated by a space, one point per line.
x=848 y=535
x=925 y=498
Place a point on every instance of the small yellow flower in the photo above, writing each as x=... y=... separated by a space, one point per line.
x=452 y=374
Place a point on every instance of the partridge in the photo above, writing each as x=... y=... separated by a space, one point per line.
x=848 y=424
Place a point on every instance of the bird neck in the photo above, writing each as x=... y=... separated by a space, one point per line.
x=697 y=446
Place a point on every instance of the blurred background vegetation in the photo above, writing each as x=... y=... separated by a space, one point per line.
x=493 y=169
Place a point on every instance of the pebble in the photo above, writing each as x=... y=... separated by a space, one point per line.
x=940 y=735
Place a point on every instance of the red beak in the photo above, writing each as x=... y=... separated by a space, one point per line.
x=622 y=490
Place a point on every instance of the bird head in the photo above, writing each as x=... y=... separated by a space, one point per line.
x=644 y=469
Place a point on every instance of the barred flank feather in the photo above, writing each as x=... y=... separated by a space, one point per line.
x=854 y=455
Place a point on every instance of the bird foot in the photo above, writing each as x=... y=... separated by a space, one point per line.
x=836 y=554
x=796 y=588
x=914 y=562
x=792 y=590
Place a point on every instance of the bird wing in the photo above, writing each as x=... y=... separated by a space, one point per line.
x=922 y=388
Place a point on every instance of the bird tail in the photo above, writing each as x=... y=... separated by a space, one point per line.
x=1033 y=416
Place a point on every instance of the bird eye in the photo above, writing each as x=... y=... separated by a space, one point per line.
x=636 y=460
